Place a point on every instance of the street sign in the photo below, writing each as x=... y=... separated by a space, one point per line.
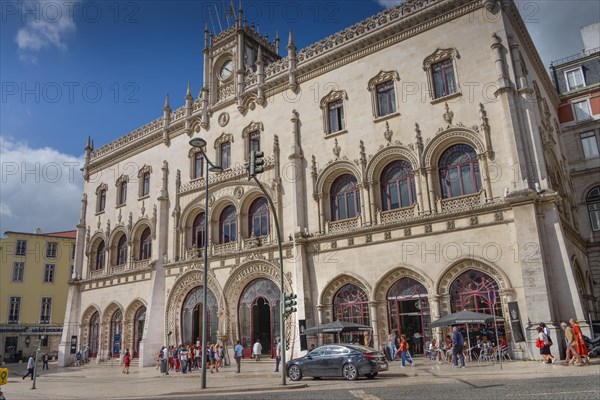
x=3 y=376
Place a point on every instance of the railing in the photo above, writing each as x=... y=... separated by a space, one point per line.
x=115 y=269
x=574 y=57
x=194 y=253
x=97 y=273
x=462 y=202
x=223 y=248
x=344 y=225
x=391 y=216
x=140 y=264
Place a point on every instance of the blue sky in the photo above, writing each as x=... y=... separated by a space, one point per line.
x=70 y=69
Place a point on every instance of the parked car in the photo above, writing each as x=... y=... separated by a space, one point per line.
x=338 y=360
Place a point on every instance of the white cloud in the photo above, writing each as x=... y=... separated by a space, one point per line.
x=40 y=188
x=47 y=24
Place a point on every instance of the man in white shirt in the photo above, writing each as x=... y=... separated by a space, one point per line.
x=30 y=366
x=257 y=350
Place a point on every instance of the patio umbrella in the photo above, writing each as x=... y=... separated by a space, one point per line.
x=467 y=318
x=337 y=327
x=464 y=317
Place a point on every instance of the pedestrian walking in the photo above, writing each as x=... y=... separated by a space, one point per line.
x=458 y=342
x=571 y=356
x=581 y=346
x=165 y=360
x=126 y=362
x=238 y=351
x=257 y=350
x=86 y=354
x=277 y=354
x=30 y=367
x=544 y=344
x=403 y=350
x=213 y=353
x=183 y=355
x=391 y=344
x=45 y=359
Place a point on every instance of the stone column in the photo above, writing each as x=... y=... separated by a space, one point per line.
x=372 y=208
x=429 y=171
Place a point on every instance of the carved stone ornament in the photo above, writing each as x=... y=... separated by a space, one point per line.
x=450 y=225
x=99 y=223
x=252 y=127
x=223 y=119
x=119 y=217
x=336 y=149
x=439 y=55
x=428 y=228
x=448 y=115
x=238 y=192
x=313 y=167
x=224 y=138
x=382 y=77
x=388 y=133
x=143 y=209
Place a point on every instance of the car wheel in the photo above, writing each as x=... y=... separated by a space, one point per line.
x=294 y=373
x=350 y=372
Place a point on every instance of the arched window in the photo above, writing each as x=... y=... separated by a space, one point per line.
x=198 y=231
x=100 y=251
x=345 y=198
x=94 y=337
x=122 y=250
x=398 y=186
x=116 y=328
x=192 y=312
x=258 y=313
x=593 y=203
x=146 y=244
x=258 y=217
x=228 y=225
x=351 y=304
x=146 y=184
x=101 y=200
x=459 y=171
x=475 y=291
x=122 y=193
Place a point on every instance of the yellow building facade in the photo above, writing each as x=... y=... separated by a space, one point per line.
x=34 y=272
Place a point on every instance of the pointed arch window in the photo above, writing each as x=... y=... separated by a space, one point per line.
x=345 y=198
x=259 y=217
x=122 y=250
x=122 y=199
x=459 y=171
x=198 y=231
x=228 y=225
x=398 y=185
x=471 y=291
x=146 y=244
x=593 y=204
x=145 y=184
x=351 y=304
x=100 y=254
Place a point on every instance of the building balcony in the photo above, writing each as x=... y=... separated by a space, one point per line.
x=397 y=215
x=342 y=226
x=461 y=203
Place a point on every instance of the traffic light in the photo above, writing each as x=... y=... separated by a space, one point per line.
x=256 y=164
x=290 y=303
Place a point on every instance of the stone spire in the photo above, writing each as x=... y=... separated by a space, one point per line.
x=260 y=73
x=166 y=121
x=291 y=49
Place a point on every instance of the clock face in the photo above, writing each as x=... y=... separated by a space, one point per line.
x=226 y=70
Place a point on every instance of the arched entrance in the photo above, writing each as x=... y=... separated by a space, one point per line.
x=351 y=304
x=192 y=313
x=476 y=291
x=116 y=331
x=258 y=314
x=408 y=312
x=94 y=337
x=138 y=329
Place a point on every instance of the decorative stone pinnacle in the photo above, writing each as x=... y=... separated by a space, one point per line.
x=388 y=133
x=448 y=115
x=336 y=149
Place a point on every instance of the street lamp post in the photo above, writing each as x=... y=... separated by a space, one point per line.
x=200 y=144
x=35 y=365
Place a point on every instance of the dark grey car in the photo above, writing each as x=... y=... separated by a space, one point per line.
x=338 y=360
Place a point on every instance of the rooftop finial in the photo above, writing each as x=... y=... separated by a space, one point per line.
x=188 y=94
x=290 y=39
x=167 y=106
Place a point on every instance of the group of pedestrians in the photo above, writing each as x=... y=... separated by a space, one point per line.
x=186 y=358
x=576 y=354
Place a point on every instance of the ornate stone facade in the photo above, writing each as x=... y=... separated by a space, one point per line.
x=372 y=224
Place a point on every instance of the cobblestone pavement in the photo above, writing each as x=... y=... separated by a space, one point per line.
x=106 y=382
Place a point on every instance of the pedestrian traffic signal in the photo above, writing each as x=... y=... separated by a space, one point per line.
x=290 y=303
x=256 y=164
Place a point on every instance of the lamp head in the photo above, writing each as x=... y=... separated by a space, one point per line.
x=197 y=142
x=215 y=168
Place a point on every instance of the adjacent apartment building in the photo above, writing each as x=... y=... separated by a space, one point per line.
x=34 y=272
x=577 y=80
x=416 y=164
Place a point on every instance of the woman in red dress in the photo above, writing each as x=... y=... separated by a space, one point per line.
x=126 y=361
x=581 y=347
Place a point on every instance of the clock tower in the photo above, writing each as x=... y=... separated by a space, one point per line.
x=230 y=58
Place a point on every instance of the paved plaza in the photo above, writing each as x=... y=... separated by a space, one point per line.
x=106 y=382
